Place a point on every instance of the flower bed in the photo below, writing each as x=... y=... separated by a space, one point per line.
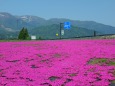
x=57 y=63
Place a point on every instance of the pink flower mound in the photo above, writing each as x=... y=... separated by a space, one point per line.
x=55 y=63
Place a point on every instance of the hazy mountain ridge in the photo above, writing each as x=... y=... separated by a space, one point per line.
x=12 y=24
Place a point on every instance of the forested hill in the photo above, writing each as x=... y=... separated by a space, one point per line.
x=10 y=26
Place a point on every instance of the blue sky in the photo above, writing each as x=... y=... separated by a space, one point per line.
x=102 y=11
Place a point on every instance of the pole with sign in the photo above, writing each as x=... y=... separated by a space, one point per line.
x=60 y=29
x=66 y=25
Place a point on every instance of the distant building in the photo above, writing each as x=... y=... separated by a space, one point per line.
x=33 y=37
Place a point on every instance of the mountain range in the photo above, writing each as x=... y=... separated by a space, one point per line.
x=10 y=25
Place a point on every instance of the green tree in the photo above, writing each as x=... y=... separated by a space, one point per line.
x=23 y=35
x=40 y=38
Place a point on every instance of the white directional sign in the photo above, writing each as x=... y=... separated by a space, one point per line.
x=62 y=32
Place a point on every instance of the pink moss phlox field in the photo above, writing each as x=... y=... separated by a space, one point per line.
x=55 y=63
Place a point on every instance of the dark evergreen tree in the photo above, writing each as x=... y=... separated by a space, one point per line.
x=23 y=35
x=26 y=33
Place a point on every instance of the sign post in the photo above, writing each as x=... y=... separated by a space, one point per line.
x=66 y=25
x=94 y=33
x=60 y=29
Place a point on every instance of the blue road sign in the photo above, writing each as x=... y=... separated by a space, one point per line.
x=67 y=25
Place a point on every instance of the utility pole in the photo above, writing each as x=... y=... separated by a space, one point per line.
x=94 y=33
x=60 y=29
x=17 y=23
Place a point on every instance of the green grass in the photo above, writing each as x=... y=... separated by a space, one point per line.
x=96 y=61
x=8 y=40
x=53 y=78
x=57 y=55
x=113 y=81
x=73 y=74
x=12 y=40
x=101 y=61
x=112 y=63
